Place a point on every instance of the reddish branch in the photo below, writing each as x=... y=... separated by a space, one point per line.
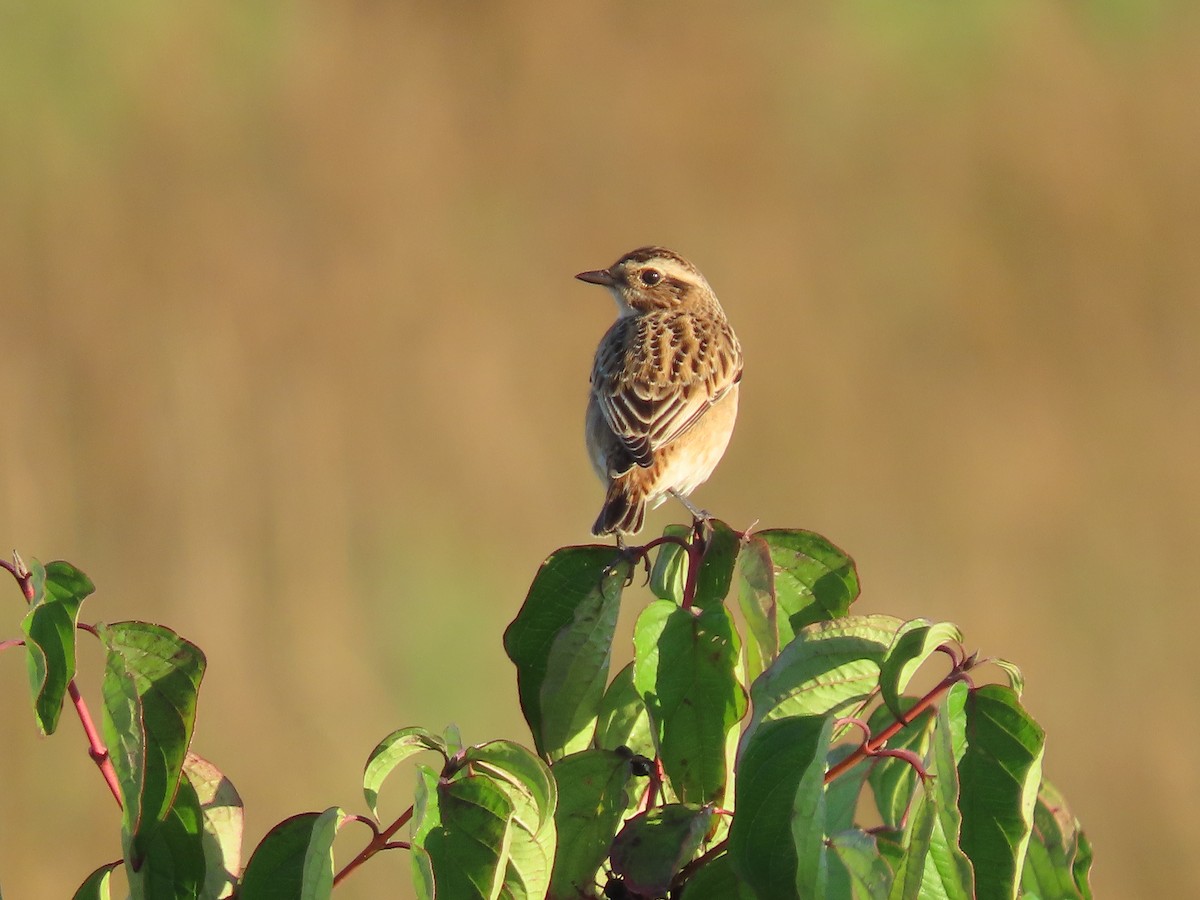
x=382 y=840
x=96 y=749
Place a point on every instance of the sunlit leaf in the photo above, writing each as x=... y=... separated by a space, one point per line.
x=623 y=720
x=756 y=598
x=595 y=790
x=221 y=818
x=915 y=642
x=814 y=580
x=999 y=776
x=1058 y=860
x=95 y=886
x=776 y=841
x=534 y=795
x=469 y=839
x=561 y=643
x=393 y=750
x=684 y=668
x=151 y=679
x=859 y=857
x=716 y=567
x=58 y=591
x=830 y=667
x=669 y=572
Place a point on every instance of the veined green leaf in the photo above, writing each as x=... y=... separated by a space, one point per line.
x=58 y=591
x=776 y=841
x=999 y=776
x=859 y=857
x=595 y=790
x=95 y=886
x=469 y=843
x=534 y=795
x=561 y=643
x=684 y=668
x=716 y=566
x=814 y=580
x=171 y=864
x=915 y=642
x=1058 y=861
x=669 y=572
x=623 y=720
x=393 y=750
x=221 y=818
x=151 y=679
x=294 y=860
x=829 y=668
x=756 y=597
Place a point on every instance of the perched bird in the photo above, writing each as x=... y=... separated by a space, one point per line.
x=664 y=390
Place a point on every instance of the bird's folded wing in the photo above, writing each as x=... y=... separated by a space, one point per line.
x=651 y=400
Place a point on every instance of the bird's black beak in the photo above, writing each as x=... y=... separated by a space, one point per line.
x=599 y=276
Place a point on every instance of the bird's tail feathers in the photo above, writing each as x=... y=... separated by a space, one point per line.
x=624 y=510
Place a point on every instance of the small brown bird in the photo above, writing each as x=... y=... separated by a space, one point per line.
x=664 y=390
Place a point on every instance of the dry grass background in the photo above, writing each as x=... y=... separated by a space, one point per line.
x=292 y=360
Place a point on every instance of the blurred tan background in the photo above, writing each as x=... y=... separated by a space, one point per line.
x=292 y=359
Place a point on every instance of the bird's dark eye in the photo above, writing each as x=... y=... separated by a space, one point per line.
x=651 y=277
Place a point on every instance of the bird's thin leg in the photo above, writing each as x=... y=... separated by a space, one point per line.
x=699 y=515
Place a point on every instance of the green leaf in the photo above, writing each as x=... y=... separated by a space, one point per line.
x=294 y=860
x=894 y=780
x=95 y=886
x=946 y=870
x=915 y=642
x=561 y=644
x=452 y=739
x=151 y=679
x=999 y=776
x=669 y=573
x=534 y=795
x=467 y=832
x=841 y=794
x=393 y=750
x=172 y=862
x=684 y=668
x=276 y=868
x=1016 y=680
x=716 y=566
x=756 y=597
x=909 y=863
x=859 y=857
x=221 y=818
x=715 y=880
x=426 y=817
x=655 y=845
x=1058 y=859
x=422 y=869
x=49 y=626
x=830 y=667
x=814 y=580
x=595 y=789
x=623 y=720
x=776 y=841
x=318 y=859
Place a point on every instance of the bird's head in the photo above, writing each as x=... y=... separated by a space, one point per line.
x=651 y=278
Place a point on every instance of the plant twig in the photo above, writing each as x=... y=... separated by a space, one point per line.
x=872 y=746
x=96 y=748
x=381 y=841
